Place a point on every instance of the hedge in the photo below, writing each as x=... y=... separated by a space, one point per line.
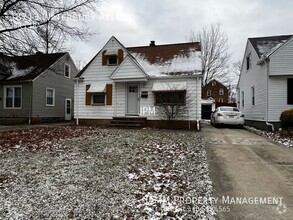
x=286 y=119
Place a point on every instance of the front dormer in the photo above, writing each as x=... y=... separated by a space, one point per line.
x=112 y=57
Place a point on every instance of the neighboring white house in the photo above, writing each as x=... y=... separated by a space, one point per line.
x=265 y=87
x=128 y=83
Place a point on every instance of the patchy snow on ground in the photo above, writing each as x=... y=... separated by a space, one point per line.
x=279 y=136
x=91 y=173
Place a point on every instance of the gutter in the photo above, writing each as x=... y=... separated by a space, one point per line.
x=267 y=108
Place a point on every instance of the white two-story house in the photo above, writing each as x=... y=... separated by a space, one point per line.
x=265 y=87
x=120 y=84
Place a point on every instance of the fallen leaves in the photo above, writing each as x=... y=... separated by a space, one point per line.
x=92 y=173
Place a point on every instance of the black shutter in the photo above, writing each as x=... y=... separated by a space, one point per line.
x=290 y=91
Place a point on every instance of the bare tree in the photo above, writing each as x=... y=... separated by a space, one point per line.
x=236 y=68
x=215 y=52
x=27 y=26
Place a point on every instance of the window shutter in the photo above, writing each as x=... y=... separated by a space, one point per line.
x=88 y=97
x=109 y=94
x=104 y=58
x=120 y=56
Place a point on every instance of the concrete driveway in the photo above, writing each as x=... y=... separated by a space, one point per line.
x=252 y=177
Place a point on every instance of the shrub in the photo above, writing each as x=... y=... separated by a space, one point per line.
x=287 y=119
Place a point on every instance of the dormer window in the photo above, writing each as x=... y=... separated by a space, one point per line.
x=112 y=60
x=112 y=57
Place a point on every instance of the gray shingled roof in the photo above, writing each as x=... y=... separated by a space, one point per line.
x=26 y=68
x=266 y=45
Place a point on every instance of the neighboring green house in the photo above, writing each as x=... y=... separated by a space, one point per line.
x=36 y=88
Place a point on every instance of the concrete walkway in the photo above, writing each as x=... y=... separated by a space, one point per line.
x=249 y=168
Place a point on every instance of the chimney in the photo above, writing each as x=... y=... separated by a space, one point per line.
x=153 y=43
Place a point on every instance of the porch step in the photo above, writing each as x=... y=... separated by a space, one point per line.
x=128 y=122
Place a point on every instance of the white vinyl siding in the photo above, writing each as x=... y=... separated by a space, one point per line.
x=281 y=61
x=257 y=77
x=277 y=97
x=128 y=70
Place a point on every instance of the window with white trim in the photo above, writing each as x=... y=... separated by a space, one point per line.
x=50 y=97
x=170 y=97
x=221 y=92
x=98 y=98
x=221 y=100
x=12 y=96
x=209 y=92
x=242 y=99
x=248 y=62
x=67 y=70
x=112 y=60
x=252 y=95
x=214 y=83
x=290 y=91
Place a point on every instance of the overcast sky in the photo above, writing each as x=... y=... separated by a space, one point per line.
x=135 y=23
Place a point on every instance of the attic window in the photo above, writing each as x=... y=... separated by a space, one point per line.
x=67 y=70
x=248 y=62
x=112 y=60
x=214 y=83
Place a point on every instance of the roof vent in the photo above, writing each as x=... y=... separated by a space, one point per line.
x=153 y=43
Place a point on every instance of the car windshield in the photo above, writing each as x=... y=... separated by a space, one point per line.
x=229 y=109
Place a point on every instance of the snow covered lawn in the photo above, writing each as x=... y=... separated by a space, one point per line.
x=92 y=173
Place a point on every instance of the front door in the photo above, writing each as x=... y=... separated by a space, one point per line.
x=132 y=99
x=67 y=109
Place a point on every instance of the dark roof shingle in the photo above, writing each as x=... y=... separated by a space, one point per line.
x=264 y=45
x=31 y=66
x=163 y=53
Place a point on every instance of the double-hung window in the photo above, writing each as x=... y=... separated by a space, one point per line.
x=50 y=97
x=12 y=96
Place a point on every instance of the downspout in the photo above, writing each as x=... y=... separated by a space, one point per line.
x=196 y=104
x=115 y=102
x=267 y=109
